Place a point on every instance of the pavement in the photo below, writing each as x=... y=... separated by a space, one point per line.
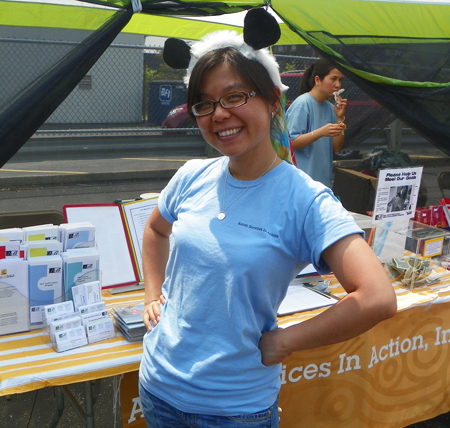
x=37 y=170
x=35 y=409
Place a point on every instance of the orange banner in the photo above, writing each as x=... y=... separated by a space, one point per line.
x=392 y=376
x=132 y=416
x=395 y=375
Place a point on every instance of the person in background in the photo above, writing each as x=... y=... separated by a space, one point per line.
x=316 y=126
x=242 y=226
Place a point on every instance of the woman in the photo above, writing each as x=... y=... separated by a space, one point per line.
x=316 y=126
x=213 y=351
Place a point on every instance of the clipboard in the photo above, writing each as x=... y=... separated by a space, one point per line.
x=136 y=214
x=300 y=298
x=117 y=234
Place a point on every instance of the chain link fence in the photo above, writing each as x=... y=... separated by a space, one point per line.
x=129 y=91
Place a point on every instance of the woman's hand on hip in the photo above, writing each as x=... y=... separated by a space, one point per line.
x=152 y=312
x=271 y=349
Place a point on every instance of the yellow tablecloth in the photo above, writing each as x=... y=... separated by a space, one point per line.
x=394 y=375
x=27 y=362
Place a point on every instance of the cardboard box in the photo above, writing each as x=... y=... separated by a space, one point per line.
x=438 y=218
x=355 y=190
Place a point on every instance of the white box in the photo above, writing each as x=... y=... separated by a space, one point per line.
x=95 y=307
x=94 y=316
x=69 y=339
x=51 y=319
x=77 y=235
x=45 y=286
x=99 y=330
x=93 y=292
x=79 y=266
x=59 y=325
x=86 y=294
x=14 y=303
x=57 y=310
x=42 y=249
x=9 y=250
x=78 y=296
x=43 y=232
x=11 y=234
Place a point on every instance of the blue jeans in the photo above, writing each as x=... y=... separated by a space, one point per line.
x=159 y=414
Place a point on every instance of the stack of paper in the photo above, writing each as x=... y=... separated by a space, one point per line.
x=45 y=286
x=128 y=320
x=86 y=294
x=10 y=250
x=42 y=249
x=11 y=243
x=14 y=314
x=11 y=234
x=44 y=232
x=79 y=267
x=77 y=235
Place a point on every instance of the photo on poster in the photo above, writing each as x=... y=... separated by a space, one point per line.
x=399 y=198
x=397 y=194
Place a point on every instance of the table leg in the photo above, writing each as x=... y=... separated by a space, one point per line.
x=91 y=391
x=59 y=408
x=89 y=405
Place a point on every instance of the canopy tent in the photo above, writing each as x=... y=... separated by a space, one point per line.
x=396 y=51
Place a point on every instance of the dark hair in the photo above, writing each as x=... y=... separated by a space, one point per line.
x=320 y=68
x=252 y=72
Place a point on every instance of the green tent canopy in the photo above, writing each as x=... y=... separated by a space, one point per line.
x=396 y=51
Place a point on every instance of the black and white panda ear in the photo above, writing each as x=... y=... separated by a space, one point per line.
x=261 y=29
x=176 y=53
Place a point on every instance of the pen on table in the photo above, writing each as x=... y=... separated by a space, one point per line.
x=369 y=241
x=124 y=201
x=319 y=292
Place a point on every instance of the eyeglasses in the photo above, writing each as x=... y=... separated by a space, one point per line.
x=233 y=100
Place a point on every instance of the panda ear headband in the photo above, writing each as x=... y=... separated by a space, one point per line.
x=261 y=30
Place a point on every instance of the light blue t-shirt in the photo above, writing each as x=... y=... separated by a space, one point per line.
x=304 y=115
x=225 y=280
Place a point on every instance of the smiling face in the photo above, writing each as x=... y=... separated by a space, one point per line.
x=238 y=132
x=330 y=83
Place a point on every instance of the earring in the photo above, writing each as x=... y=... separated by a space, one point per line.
x=273 y=114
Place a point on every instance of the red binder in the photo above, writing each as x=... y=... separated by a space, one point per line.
x=117 y=237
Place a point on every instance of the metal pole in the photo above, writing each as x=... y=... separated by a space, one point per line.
x=394 y=142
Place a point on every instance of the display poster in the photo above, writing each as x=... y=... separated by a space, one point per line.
x=397 y=193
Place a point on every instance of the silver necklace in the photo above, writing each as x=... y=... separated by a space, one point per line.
x=222 y=214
